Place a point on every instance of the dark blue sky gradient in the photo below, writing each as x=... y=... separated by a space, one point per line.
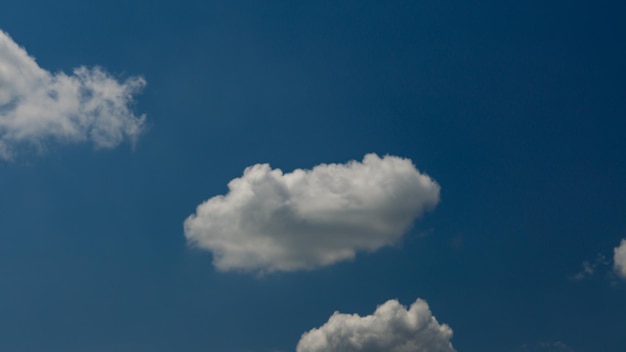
x=517 y=110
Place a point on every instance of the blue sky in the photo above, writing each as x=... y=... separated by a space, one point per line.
x=516 y=111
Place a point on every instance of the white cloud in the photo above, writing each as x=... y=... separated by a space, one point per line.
x=619 y=259
x=275 y=221
x=37 y=106
x=392 y=328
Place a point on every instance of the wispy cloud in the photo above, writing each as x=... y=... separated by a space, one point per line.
x=38 y=107
x=275 y=221
x=392 y=328
x=589 y=268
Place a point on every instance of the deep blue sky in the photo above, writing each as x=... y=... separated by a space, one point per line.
x=517 y=110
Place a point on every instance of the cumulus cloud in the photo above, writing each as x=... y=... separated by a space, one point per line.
x=619 y=259
x=392 y=328
x=37 y=106
x=275 y=221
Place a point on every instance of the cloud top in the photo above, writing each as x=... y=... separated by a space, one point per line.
x=274 y=221
x=392 y=328
x=37 y=106
x=619 y=259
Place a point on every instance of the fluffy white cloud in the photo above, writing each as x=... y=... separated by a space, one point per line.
x=275 y=221
x=392 y=328
x=37 y=106
x=619 y=259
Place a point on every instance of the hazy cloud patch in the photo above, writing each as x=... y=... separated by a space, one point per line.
x=589 y=268
x=545 y=346
x=275 y=221
x=37 y=106
x=392 y=328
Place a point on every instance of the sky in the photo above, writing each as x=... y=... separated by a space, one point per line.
x=312 y=176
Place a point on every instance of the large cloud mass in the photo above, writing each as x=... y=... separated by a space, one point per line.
x=619 y=259
x=37 y=106
x=392 y=328
x=275 y=221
